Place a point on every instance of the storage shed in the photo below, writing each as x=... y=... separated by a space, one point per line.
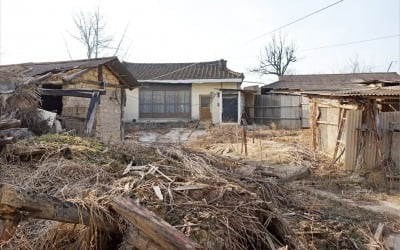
x=88 y=95
x=358 y=127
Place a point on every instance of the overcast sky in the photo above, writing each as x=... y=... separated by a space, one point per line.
x=205 y=30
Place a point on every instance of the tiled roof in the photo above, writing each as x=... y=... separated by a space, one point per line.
x=182 y=71
x=38 y=69
x=331 y=81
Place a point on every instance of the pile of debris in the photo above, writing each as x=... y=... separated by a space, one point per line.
x=19 y=105
x=200 y=195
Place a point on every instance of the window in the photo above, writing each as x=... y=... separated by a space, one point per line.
x=205 y=101
x=164 y=102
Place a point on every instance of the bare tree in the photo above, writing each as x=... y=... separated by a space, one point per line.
x=92 y=33
x=277 y=56
x=354 y=65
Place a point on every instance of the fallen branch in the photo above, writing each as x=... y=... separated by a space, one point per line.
x=153 y=227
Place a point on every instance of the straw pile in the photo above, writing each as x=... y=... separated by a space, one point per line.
x=23 y=102
x=203 y=195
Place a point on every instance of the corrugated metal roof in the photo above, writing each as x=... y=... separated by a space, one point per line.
x=331 y=81
x=377 y=91
x=182 y=71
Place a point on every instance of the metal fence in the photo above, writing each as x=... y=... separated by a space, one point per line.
x=284 y=110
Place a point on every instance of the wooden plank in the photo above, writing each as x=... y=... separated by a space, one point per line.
x=153 y=227
x=91 y=114
x=341 y=121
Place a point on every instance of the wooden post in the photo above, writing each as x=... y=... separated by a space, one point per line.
x=378 y=139
x=245 y=140
x=313 y=123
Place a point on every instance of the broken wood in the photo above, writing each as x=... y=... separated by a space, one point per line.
x=341 y=123
x=14 y=201
x=378 y=232
x=85 y=93
x=9 y=123
x=153 y=227
x=69 y=78
x=7 y=140
x=90 y=118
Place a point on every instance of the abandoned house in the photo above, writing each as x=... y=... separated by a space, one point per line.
x=185 y=92
x=283 y=104
x=358 y=127
x=88 y=96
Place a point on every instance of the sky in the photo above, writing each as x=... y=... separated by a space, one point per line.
x=207 y=30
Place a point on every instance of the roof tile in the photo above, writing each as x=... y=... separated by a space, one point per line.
x=182 y=71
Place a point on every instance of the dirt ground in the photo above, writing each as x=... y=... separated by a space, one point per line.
x=335 y=204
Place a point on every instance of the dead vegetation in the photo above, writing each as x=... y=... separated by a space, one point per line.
x=219 y=201
x=198 y=193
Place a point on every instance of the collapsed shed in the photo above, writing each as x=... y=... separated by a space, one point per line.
x=359 y=127
x=283 y=103
x=87 y=95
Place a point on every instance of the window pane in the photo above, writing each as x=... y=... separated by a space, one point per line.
x=187 y=96
x=146 y=96
x=171 y=97
x=170 y=108
x=145 y=108
x=158 y=96
x=158 y=108
x=205 y=101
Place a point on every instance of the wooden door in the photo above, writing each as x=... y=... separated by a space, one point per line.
x=205 y=103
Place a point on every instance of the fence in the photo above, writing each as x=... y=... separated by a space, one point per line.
x=285 y=110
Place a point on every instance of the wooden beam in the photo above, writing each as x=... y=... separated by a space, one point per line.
x=42 y=206
x=91 y=114
x=85 y=93
x=14 y=201
x=152 y=226
x=70 y=77
x=100 y=77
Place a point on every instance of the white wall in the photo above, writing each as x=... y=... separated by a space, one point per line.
x=132 y=105
x=209 y=89
x=132 y=100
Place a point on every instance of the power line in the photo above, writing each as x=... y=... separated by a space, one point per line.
x=294 y=21
x=353 y=42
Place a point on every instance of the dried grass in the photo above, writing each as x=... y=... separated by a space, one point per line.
x=229 y=211
x=22 y=104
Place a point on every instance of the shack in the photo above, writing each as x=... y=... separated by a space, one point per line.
x=88 y=96
x=284 y=104
x=360 y=127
